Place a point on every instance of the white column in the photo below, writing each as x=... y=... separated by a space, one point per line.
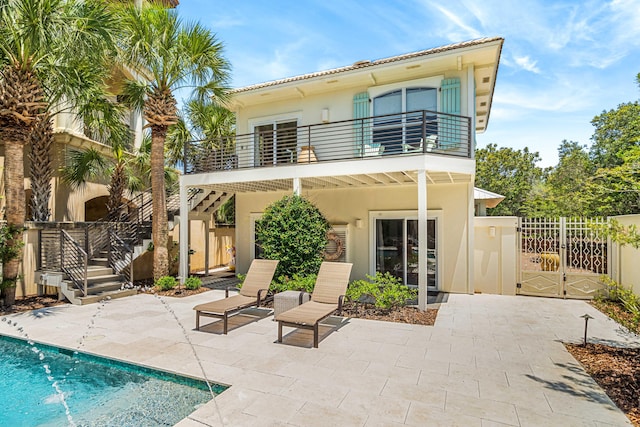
x=297 y=186
x=422 y=240
x=470 y=238
x=206 y=247
x=183 y=270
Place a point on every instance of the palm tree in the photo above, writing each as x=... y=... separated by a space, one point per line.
x=210 y=124
x=120 y=169
x=170 y=54
x=52 y=51
x=40 y=143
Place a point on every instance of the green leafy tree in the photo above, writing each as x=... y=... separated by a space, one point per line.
x=616 y=190
x=512 y=173
x=565 y=183
x=171 y=54
x=293 y=231
x=616 y=131
x=53 y=53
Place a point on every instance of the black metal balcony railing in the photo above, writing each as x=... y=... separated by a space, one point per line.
x=416 y=132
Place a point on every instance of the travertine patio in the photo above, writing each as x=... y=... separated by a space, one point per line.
x=489 y=360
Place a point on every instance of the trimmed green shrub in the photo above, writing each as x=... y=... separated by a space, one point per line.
x=296 y=283
x=166 y=283
x=293 y=231
x=383 y=290
x=192 y=283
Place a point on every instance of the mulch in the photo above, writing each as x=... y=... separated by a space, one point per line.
x=617 y=371
x=179 y=292
x=405 y=314
x=31 y=303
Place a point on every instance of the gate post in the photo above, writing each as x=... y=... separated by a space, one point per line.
x=562 y=252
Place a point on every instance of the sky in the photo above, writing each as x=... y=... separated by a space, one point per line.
x=562 y=63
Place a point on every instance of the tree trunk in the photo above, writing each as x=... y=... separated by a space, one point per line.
x=160 y=233
x=116 y=190
x=41 y=140
x=15 y=210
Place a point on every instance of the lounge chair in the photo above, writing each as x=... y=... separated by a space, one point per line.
x=326 y=298
x=430 y=145
x=253 y=292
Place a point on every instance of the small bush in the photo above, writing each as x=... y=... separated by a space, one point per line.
x=295 y=283
x=625 y=299
x=293 y=231
x=383 y=290
x=192 y=283
x=166 y=283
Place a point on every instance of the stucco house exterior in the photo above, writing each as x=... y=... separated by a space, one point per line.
x=384 y=148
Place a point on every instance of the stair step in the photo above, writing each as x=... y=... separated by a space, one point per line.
x=96 y=288
x=120 y=293
x=102 y=262
x=103 y=278
x=98 y=270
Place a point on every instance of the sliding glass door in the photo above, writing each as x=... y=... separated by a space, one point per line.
x=276 y=143
x=396 y=243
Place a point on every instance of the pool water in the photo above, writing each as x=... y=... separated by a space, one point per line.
x=96 y=391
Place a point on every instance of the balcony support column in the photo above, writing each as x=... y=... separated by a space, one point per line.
x=297 y=186
x=422 y=240
x=206 y=247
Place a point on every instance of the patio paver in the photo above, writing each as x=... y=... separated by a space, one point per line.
x=489 y=360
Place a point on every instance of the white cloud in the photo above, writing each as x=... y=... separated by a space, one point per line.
x=226 y=22
x=558 y=96
x=527 y=64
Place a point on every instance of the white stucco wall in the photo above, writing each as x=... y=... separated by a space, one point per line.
x=626 y=268
x=339 y=101
x=344 y=206
x=495 y=251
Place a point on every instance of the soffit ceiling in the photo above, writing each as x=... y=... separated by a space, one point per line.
x=371 y=180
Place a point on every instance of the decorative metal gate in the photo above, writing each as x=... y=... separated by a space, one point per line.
x=561 y=257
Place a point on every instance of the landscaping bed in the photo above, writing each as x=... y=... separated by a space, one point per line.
x=179 y=292
x=617 y=371
x=617 y=312
x=404 y=314
x=31 y=303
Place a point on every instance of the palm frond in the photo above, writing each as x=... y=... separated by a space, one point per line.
x=84 y=166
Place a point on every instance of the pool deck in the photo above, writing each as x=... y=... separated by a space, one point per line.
x=489 y=361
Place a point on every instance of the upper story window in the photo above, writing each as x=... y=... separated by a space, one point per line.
x=398 y=115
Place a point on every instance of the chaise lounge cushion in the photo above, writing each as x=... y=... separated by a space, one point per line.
x=308 y=313
x=227 y=304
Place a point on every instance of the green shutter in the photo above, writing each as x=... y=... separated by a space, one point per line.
x=449 y=131
x=361 y=125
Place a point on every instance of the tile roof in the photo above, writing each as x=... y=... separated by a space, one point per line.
x=366 y=64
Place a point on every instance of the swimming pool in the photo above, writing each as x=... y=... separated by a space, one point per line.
x=39 y=380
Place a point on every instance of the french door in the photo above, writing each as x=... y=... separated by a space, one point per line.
x=396 y=249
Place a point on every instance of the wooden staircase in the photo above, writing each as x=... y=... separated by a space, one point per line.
x=101 y=284
x=93 y=261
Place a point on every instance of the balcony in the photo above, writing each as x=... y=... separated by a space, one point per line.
x=378 y=137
